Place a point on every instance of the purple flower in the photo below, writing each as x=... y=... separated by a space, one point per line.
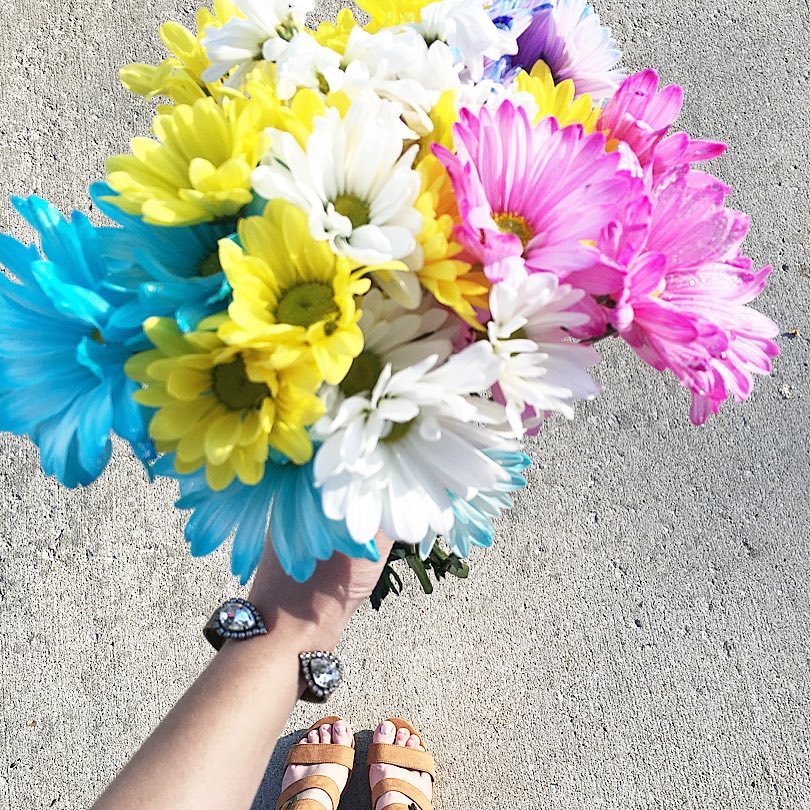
x=570 y=38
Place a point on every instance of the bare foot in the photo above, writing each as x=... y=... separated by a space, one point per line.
x=387 y=733
x=340 y=734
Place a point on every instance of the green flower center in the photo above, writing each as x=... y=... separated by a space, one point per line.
x=323 y=85
x=306 y=304
x=351 y=206
x=286 y=28
x=516 y=224
x=399 y=430
x=210 y=266
x=235 y=390
x=363 y=374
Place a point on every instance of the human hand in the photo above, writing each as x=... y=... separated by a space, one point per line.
x=318 y=610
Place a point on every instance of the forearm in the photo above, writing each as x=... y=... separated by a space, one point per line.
x=212 y=749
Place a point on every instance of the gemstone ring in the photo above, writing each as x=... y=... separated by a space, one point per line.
x=236 y=619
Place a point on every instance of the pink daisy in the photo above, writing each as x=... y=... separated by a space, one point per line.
x=536 y=192
x=675 y=287
x=641 y=115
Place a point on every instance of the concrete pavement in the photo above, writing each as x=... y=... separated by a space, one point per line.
x=638 y=639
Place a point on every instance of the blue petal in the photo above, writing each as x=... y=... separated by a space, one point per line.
x=473 y=519
x=61 y=365
x=248 y=543
x=286 y=498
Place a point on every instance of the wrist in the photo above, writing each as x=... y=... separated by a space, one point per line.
x=303 y=630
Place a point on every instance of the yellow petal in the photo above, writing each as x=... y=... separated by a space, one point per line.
x=222 y=436
x=173 y=421
x=219 y=477
x=249 y=469
x=187 y=383
x=293 y=442
x=191 y=448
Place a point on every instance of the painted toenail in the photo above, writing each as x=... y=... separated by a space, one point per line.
x=340 y=728
x=386 y=727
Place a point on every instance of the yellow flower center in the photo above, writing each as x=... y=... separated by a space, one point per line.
x=210 y=266
x=363 y=374
x=306 y=304
x=234 y=389
x=356 y=210
x=516 y=224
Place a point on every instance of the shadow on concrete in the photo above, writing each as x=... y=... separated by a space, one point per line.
x=357 y=795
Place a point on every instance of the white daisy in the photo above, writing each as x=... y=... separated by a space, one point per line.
x=466 y=26
x=492 y=94
x=397 y=64
x=395 y=336
x=390 y=460
x=306 y=63
x=353 y=180
x=543 y=370
x=263 y=31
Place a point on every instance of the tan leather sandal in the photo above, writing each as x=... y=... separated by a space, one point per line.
x=409 y=758
x=316 y=754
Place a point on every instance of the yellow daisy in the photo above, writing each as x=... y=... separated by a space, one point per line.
x=385 y=13
x=558 y=99
x=443 y=116
x=453 y=282
x=336 y=36
x=199 y=167
x=293 y=298
x=179 y=78
x=212 y=413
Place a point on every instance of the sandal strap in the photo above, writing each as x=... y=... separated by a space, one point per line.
x=408 y=758
x=316 y=782
x=321 y=754
x=400 y=786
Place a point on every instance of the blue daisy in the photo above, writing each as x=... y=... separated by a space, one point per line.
x=62 y=356
x=473 y=519
x=175 y=272
x=515 y=16
x=285 y=501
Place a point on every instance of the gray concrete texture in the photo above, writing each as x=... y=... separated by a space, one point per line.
x=639 y=636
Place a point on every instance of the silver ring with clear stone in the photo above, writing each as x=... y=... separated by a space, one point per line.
x=235 y=619
x=322 y=674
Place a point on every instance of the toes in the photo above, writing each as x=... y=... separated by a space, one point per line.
x=313 y=737
x=326 y=734
x=385 y=733
x=342 y=733
x=403 y=735
x=414 y=742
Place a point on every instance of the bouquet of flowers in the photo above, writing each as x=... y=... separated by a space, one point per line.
x=355 y=265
